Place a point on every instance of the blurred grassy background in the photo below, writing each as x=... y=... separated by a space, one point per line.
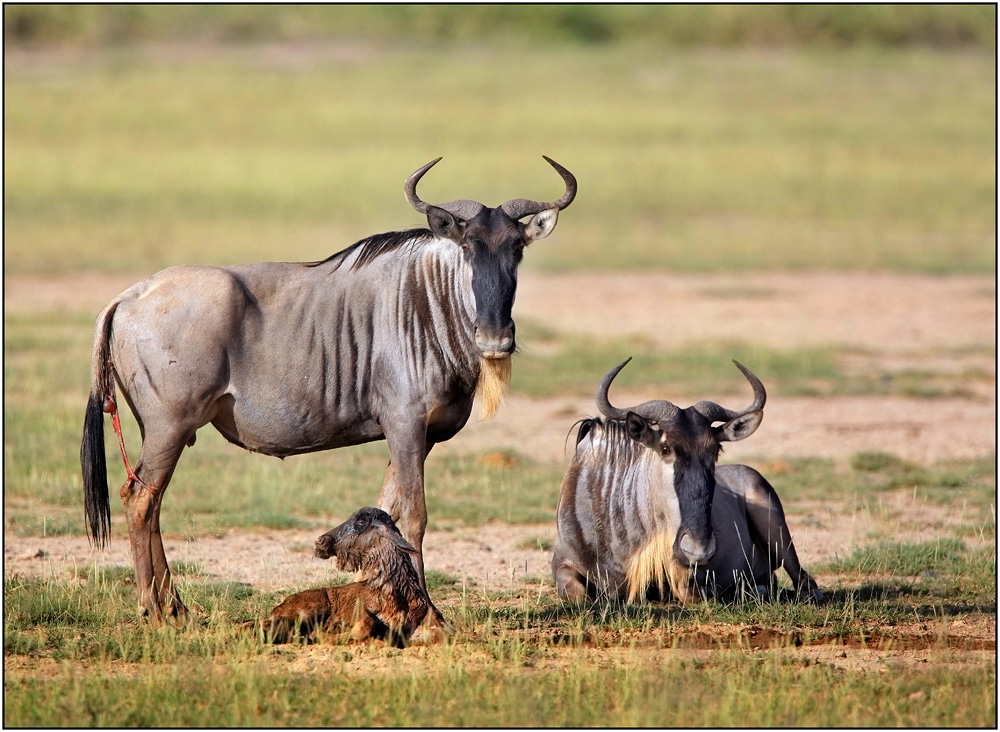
x=704 y=137
x=679 y=25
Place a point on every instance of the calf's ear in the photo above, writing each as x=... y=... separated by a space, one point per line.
x=640 y=430
x=541 y=224
x=739 y=428
x=400 y=541
x=443 y=224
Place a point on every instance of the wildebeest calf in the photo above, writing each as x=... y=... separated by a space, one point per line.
x=645 y=511
x=385 y=603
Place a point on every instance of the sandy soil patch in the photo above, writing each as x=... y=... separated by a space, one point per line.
x=494 y=557
x=885 y=312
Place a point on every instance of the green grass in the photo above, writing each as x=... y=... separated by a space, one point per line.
x=936 y=569
x=734 y=691
x=968 y=484
x=693 y=160
x=946 y=482
x=554 y=364
x=515 y=658
x=902 y=559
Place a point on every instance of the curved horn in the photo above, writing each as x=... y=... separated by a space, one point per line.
x=464 y=208
x=410 y=187
x=655 y=410
x=521 y=207
x=603 y=405
x=716 y=413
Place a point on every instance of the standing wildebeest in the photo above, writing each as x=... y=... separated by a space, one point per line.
x=643 y=505
x=388 y=339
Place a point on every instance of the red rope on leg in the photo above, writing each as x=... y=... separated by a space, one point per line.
x=111 y=407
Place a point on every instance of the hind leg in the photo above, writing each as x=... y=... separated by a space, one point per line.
x=770 y=529
x=167 y=596
x=138 y=504
x=157 y=460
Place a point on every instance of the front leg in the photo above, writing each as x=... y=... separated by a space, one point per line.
x=571 y=584
x=402 y=497
x=770 y=532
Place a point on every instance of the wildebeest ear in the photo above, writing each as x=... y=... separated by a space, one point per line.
x=400 y=541
x=541 y=224
x=739 y=428
x=443 y=224
x=640 y=430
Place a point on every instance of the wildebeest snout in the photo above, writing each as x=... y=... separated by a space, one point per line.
x=495 y=342
x=325 y=546
x=688 y=549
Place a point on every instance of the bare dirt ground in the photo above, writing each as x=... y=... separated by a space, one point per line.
x=943 y=325
x=491 y=558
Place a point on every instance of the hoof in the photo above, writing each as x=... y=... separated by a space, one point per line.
x=811 y=595
x=434 y=629
x=427 y=635
x=178 y=611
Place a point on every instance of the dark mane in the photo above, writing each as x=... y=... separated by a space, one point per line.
x=621 y=448
x=586 y=425
x=377 y=245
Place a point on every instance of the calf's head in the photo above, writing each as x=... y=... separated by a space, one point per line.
x=361 y=542
x=689 y=441
x=492 y=241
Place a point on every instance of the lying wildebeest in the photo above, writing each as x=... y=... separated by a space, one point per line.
x=644 y=508
x=387 y=339
x=386 y=602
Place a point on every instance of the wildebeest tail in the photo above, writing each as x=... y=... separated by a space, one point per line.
x=95 y=471
x=96 y=501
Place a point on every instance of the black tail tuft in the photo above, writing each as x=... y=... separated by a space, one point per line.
x=95 y=472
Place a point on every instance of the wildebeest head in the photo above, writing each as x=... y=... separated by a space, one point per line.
x=359 y=541
x=493 y=241
x=689 y=440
